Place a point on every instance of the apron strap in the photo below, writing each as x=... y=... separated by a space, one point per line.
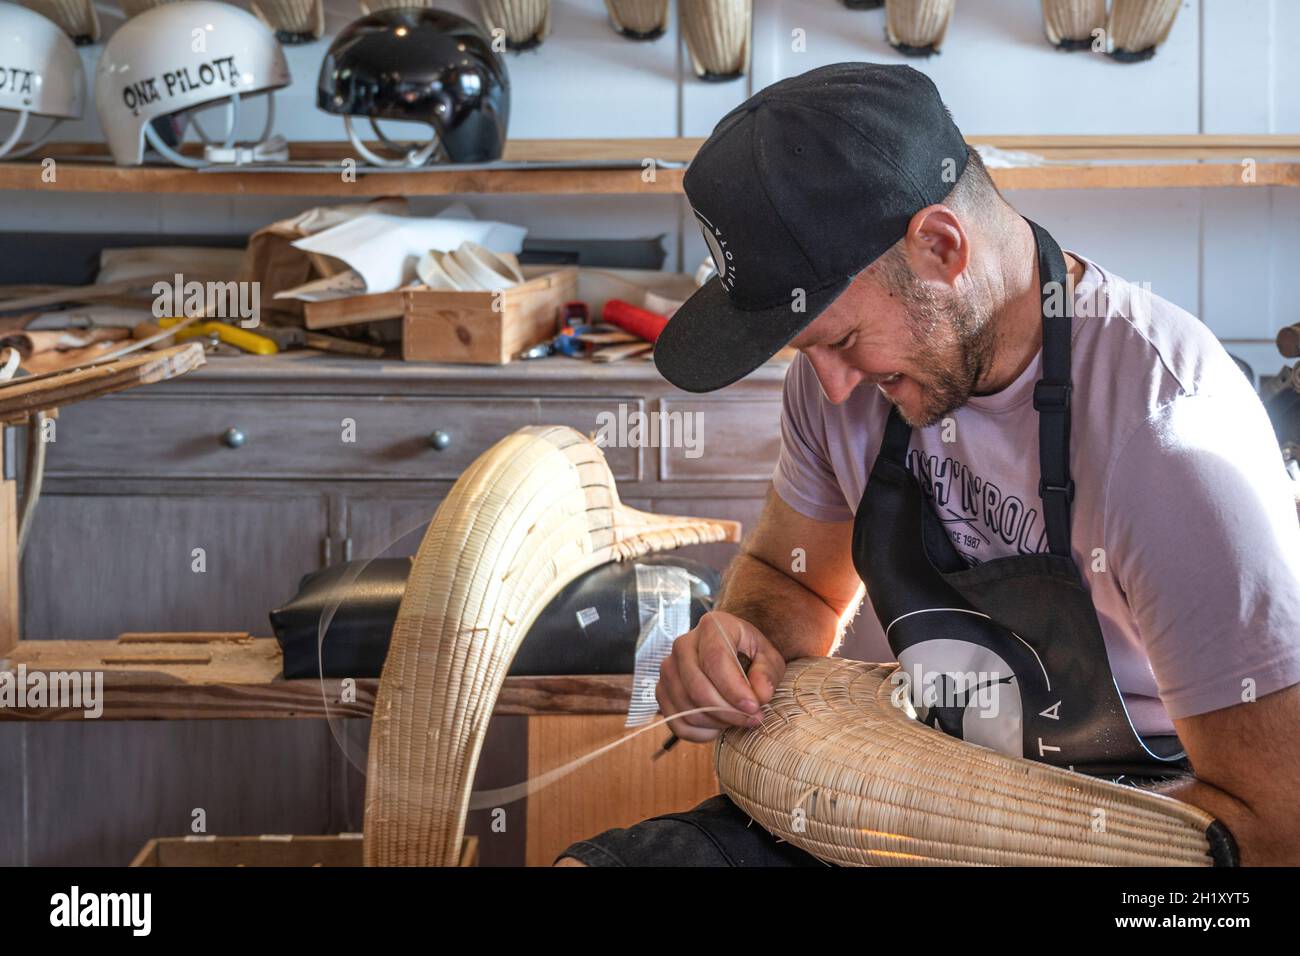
x=1052 y=392
x=898 y=434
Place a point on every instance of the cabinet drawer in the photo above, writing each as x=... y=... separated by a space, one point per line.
x=276 y=437
x=737 y=441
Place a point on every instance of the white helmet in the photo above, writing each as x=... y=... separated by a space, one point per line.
x=40 y=75
x=164 y=65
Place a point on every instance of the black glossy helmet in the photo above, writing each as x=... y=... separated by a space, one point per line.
x=424 y=66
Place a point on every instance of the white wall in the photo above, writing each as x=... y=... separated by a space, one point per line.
x=1223 y=254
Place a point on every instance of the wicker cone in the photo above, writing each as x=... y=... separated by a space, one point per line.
x=1069 y=23
x=528 y=516
x=718 y=36
x=878 y=788
x=1137 y=27
x=917 y=26
x=292 y=18
x=77 y=18
x=526 y=23
x=639 y=19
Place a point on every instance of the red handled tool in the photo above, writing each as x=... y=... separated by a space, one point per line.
x=631 y=318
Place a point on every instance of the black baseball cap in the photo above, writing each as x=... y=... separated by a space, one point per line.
x=801 y=188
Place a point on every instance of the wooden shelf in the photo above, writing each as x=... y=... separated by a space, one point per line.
x=240 y=679
x=1075 y=162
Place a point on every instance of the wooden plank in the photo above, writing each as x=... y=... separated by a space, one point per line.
x=182 y=637
x=1186 y=156
x=620 y=788
x=19 y=399
x=241 y=680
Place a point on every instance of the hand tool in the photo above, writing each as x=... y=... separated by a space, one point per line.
x=634 y=319
x=225 y=332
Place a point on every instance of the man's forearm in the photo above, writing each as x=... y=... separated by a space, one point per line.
x=792 y=617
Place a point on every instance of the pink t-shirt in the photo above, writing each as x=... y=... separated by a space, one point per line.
x=1184 y=521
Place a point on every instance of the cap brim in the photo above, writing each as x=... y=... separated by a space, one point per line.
x=710 y=343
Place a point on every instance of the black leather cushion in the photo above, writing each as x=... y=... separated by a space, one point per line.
x=565 y=639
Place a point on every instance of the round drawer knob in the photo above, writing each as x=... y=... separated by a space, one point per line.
x=440 y=439
x=233 y=438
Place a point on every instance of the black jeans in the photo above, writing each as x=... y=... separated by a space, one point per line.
x=715 y=833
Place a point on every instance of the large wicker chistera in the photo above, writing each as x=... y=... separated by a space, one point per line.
x=835 y=768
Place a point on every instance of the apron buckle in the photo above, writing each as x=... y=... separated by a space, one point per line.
x=1052 y=396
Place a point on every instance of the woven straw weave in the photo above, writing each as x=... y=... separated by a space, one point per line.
x=1073 y=20
x=717 y=35
x=77 y=18
x=917 y=23
x=528 y=516
x=301 y=17
x=638 y=17
x=875 y=787
x=524 y=21
x=1137 y=25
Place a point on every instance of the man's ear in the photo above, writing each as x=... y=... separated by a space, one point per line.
x=938 y=249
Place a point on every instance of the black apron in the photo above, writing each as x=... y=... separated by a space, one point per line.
x=1009 y=653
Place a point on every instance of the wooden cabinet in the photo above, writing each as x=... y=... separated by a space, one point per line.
x=99 y=564
x=136 y=483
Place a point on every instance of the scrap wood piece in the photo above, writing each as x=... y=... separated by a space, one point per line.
x=879 y=788
x=21 y=397
x=529 y=516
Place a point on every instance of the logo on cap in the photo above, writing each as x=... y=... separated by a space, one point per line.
x=722 y=259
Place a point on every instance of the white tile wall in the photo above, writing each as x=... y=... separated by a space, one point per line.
x=1228 y=67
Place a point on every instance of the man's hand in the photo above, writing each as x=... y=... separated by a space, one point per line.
x=1247 y=764
x=704 y=670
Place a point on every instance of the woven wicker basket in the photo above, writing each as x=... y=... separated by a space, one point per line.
x=526 y=23
x=77 y=18
x=133 y=8
x=1069 y=23
x=294 y=21
x=718 y=36
x=917 y=27
x=837 y=770
x=639 y=19
x=526 y=518
x=374 y=6
x=1137 y=27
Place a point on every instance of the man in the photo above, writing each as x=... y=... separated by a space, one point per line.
x=1045 y=476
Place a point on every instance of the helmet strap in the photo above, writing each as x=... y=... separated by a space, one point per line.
x=7 y=147
x=414 y=154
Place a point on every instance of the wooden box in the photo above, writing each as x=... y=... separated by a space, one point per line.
x=466 y=328
x=341 y=850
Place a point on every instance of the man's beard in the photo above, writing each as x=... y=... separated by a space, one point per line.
x=953 y=344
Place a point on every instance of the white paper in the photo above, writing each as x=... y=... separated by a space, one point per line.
x=384 y=249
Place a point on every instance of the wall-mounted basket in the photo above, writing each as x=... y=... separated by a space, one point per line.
x=917 y=27
x=1070 y=24
x=294 y=21
x=77 y=18
x=525 y=23
x=1137 y=27
x=719 y=37
x=638 y=19
x=133 y=8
